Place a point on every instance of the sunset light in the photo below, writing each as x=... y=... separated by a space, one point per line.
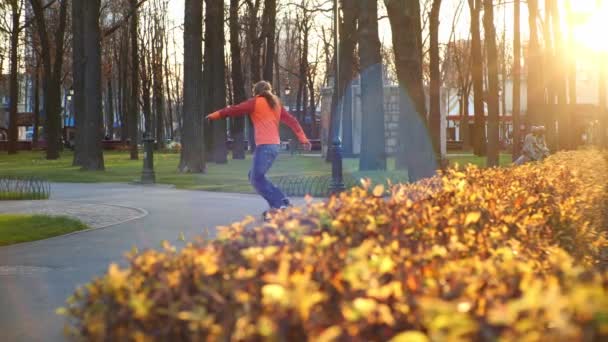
x=591 y=33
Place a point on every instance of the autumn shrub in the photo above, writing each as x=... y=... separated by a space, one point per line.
x=513 y=254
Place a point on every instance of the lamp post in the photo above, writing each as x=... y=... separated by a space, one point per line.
x=337 y=181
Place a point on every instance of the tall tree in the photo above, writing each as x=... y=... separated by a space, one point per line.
x=479 y=128
x=214 y=74
x=157 y=71
x=517 y=136
x=192 y=153
x=603 y=111
x=348 y=43
x=560 y=77
x=435 y=93
x=133 y=114
x=493 y=83
x=373 y=150
x=270 y=23
x=572 y=80
x=88 y=89
x=415 y=149
x=535 y=96
x=254 y=47
x=52 y=49
x=238 y=81
x=16 y=10
x=548 y=60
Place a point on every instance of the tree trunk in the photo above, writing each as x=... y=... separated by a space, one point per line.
x=348 y=42
x=146 y=90
x=158 y=80
x=517 y=134
x=479 y=128
x=373 y=150
x=549 y=83
x=78 y=60
x=560 y=78
x=254 y=56
x=464 y=120
x=493 y=84
x=534 y=82
x=214 y=74
x=88 y=88
x=415 y=149
x=270 y=14
x=603 y=111
x=192 y=153
x=435 y=93
x=238 y=82
x=572 y=139
x=13 y=79
x=110 y=109
x=35 y=136
x=168 y=91
x=133 y=114
x=53 y=68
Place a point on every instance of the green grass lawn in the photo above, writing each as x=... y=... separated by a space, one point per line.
x=24 y=228
x=230 y=178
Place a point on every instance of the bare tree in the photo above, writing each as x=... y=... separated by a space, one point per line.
x=493 y=84
x=535 y=89
x=52 y=49
x=133 y=114
x=415 y=149
x=479 y=128
x=373 y=150
x=87 y=72
x=517 y=134
x=192 y=153
x=348 y=43
x=16 y=9
x=435 y=93
x=238 y=81
x=214 y=75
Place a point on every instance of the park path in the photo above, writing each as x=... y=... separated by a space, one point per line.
x=37 y=277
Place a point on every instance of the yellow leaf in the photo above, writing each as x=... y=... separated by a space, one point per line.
x=410 y=336
x=364 y=306
x=472 y=217
x=378 y=190
x=330 y=334
x=274 y=293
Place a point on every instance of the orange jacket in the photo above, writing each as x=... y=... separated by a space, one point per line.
x=265 y=120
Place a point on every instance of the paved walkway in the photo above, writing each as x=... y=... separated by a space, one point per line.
x=94 y=215
x=37 y=277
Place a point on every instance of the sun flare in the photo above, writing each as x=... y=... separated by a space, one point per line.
x=593 y=32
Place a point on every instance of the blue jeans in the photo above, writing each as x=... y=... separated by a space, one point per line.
x=263 y=158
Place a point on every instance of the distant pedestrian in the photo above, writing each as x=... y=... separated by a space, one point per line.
x=535 y=147
x=266 y=113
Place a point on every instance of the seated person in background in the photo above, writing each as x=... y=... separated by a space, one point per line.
x=535 y=148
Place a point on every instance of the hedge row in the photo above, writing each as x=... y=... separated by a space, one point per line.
x=511 y=254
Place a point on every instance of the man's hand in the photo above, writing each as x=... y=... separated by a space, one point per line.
x=213 y=116
x=307 y=146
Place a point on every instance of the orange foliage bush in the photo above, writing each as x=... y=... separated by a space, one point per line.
x=514 y=254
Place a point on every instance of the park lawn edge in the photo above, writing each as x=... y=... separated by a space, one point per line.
x=22 y=228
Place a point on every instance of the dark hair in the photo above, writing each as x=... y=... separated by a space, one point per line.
x=264 y=89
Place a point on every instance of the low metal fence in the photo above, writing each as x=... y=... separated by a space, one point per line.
x=315 y=186
x=24 y=188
